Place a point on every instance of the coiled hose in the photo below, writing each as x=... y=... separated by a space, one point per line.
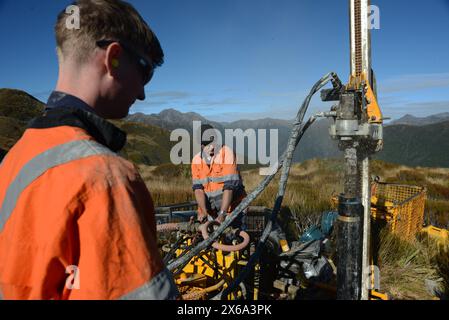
x=225 y=247
x=167 y=227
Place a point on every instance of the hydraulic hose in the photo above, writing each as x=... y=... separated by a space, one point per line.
x=176 y=226
x=297 y=133
x=224 y=247
x=261 y=244
x=174 y=248
x=167 y=227
x=203 y=292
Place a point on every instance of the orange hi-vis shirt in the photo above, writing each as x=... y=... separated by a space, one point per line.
x=76 y=219
x=220 y=174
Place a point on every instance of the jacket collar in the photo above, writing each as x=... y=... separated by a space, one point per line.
x=59 y=99
x=66 y=115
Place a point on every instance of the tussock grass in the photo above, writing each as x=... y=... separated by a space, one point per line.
x=436 y=181
x=405 y=266
x=167 y=186
x=442 y=263
x=310 y=187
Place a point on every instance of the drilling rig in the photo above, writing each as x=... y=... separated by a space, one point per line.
x=357 y=125
x=358 y=128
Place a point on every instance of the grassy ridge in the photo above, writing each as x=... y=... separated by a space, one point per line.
x=19 y=105
x=16 y=109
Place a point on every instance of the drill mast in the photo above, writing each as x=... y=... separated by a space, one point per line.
x=358 y=128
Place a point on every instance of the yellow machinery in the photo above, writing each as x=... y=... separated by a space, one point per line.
x=438 y=234
x=401 y=206
x=213 y=270
x=209 y=273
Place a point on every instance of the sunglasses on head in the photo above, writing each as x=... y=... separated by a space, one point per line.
x=145 y=66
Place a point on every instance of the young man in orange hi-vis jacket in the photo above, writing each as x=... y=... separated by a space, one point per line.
x=216 y=180
x=76 y=219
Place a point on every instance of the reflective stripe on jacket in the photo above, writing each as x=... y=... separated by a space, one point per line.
x=76 y=221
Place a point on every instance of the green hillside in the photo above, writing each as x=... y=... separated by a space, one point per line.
x=16 y=109
x=19 y=105
x=146 y=144
x=417 y=145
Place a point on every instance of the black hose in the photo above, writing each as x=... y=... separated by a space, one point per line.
x=296 y=135
x=173 y=249
x=255 y=256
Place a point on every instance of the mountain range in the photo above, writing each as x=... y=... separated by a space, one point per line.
x=410 y=120
x=314 y=144
x=410 y=140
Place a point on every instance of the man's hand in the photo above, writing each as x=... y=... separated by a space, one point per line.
x=202 y=218
x=221 y=216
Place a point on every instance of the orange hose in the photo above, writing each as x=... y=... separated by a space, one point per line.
x=225 y=247
x=196 y=295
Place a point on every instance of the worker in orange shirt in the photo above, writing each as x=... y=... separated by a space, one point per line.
x=216 y=180
x=76 y=219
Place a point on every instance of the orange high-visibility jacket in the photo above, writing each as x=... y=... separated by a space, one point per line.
x=76 y=219
x=221 y=174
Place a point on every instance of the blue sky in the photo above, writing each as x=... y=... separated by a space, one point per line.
x=235 y=59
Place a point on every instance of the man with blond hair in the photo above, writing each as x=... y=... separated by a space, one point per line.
x=76 y=219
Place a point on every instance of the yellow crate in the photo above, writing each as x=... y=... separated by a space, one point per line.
x=402 y=206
